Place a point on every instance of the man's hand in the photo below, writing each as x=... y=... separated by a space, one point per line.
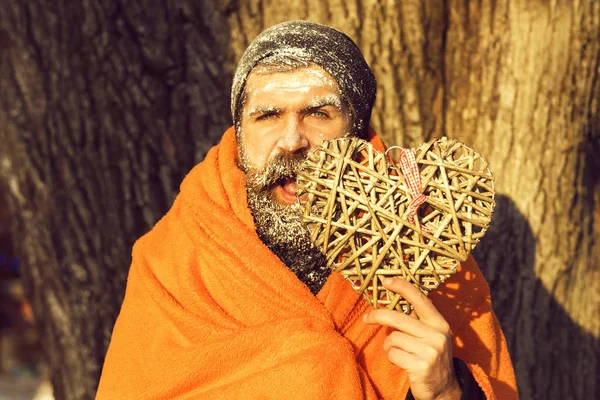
x=421 y=344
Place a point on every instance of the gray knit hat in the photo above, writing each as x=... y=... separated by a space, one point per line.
x=317 y=44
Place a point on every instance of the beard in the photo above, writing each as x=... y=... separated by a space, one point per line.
x=279 y=226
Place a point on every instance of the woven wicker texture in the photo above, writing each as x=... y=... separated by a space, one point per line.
x=357 y=207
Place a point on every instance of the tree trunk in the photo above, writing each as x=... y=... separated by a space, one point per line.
x=105 y=107
x=107 y=104
x=523 y=86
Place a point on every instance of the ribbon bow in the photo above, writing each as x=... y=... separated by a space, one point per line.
x=412 y=176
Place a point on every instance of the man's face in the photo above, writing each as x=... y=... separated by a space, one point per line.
x=285 y=115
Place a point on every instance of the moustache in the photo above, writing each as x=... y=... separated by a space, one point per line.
x=283 y=166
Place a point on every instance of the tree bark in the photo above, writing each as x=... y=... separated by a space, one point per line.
x=106 y=105
x=523 y=87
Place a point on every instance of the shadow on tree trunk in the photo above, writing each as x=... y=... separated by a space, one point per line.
x=556 y=353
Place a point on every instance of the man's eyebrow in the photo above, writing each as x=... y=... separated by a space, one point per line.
x=316 y=103
x=324 y=101
x=262 y=109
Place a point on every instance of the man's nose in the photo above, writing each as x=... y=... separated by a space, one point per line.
x=294 y=137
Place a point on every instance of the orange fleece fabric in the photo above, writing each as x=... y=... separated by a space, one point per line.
x=211 y=313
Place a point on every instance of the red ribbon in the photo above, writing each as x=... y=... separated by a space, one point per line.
x=412 y=176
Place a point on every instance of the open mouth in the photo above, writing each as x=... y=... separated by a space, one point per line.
x=286 y=189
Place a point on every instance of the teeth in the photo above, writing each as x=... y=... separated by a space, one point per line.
x=285 y=181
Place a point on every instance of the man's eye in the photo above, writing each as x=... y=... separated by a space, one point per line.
x=319 y=114
x=266 y=116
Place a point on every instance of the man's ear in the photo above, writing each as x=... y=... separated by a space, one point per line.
x=240 y=158
x=239 y=108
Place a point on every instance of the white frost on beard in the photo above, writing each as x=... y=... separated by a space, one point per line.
x=280 y=226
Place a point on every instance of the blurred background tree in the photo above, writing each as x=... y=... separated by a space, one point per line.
x=107 y=104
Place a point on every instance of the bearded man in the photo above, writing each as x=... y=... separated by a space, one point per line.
x=228 y=298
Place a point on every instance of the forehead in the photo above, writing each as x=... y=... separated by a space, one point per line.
x=263 y=85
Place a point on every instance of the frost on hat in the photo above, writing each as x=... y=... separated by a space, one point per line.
x=327 y=47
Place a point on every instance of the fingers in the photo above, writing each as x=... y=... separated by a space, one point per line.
x=402 y=341
x=422 y=306
x=398 y=321
x=427 y=349
x=402 y=358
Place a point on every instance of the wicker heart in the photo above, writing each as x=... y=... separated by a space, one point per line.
x=356 y=205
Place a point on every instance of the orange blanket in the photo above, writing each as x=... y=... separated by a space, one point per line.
x=210 y=313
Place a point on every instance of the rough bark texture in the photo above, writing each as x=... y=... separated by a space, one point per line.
x=107 y=104
x=523 y=86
